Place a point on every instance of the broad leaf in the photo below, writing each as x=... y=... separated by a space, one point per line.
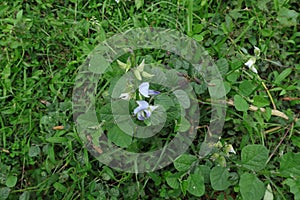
x=196 y=184
x=294 y=187
x=184 y=162
x=11 y=181
x=254 y=157
x=251 y=187
x=240 y=104
x=219 y=178
x=118 y=137
x=290 y=165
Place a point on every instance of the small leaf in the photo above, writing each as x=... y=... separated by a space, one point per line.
x=118 y=137
x=198 y=37
x=164 y=100
x=269 y=193
x=294 y=187
x=34 y=151
x=57 y=140
x=173 y=180
x=19 y=15
x=219 y=178
x=184 y=162
x=287 y=17
x=25 y=196
x=98 y=64
x=285 y=73
x=139 y=3
x=223 y=66
x=4 y=193
x=196 y=184
x=290 y=165
x=184 y=125
x=60 y=187
x=254 y=157
x=137 y=74
x=251 y=187
x=240 y=104
x=141 y=66
x=260 y=101
x=183 y=98
x=11 y=181
x=246 y=88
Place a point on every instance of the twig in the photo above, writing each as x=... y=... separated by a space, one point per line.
x=254 y=108
x=281 y=140
x=270 y=96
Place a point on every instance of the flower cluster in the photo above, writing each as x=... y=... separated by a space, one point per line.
x=250 y=63
x=144 y=110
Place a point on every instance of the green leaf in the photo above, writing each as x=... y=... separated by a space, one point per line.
x=198 y=37
x=222 y=66
x=260 y=101
x=287 y=17
x=98 y=64
x=171 y=78
x=164 y=100
x=25 y=196
x=57 y=140
x=19 y=15
x=285 y=73
x=219 y=178
x=246 y=88
x=184 y=125
x=268 y=193
x=184 y=162
x=173 y=180
x=294 y=185
x=290 y=165
x=184 y=186
x=254 y=157
x=216 y=89
x=296 y=140
x=205 y=171
x=139 y=3
x=196 y=184
x=251 y=187
x=118 y=137
x=240 y=104
x=60 y=187
x=34 y=151
x=183 y=98
x=4 y=192
x=11 y=181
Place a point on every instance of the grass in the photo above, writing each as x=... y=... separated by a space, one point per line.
x=43 y=44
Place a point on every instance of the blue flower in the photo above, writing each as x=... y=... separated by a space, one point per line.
x=143 y=111
x=144 y=90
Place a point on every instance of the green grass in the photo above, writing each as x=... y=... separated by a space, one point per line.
x=43 y=43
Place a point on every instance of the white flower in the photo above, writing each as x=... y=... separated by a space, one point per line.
x=125 y=96
x=144 y=110
x=117 y=1
x=256 y=51
x=229 y=149
x=144 y=90
x=250 y=63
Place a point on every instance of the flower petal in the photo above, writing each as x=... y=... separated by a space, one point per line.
x=250 y=62
x=153 y=92
x=144 y=89
x=256 y=51
x=152 y=108
x=143 y=105
x=144 y=114
x=125 y=96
